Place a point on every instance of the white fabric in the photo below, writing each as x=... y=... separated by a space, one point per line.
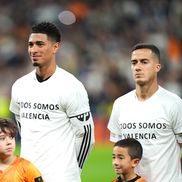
x=84 y=131
x=157 y=124
x=47 y=135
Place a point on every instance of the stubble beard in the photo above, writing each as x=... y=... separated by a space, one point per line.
x=36 y=64
x=140 y=82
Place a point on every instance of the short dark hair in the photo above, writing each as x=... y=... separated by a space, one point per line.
x=49 y=29
x=152 y=47
x=7 y=125
x=135 y=149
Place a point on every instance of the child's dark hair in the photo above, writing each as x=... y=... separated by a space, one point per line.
x=8 y=126
x=135 y=149
x=152 y=47
x=49 y=29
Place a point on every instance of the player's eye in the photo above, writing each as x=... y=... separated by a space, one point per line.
x=2 y=138
x=40 y=44
x=12 y=137
x=121 y=158
x=144 y=61
x=133 y=62
x=30 y=44
x=113 y=157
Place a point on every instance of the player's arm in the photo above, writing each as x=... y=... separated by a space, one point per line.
x=14 y=106
x=181 y=154
x=180 y=144
x=114 y=137
x=113 y=124
x=17 y=120
x=84 y=131
x=78 y=110
x=179 y=140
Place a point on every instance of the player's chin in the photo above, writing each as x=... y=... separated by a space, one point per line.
x=140 y=82
x=9 y=153
x=36 y=64
x=118 y=171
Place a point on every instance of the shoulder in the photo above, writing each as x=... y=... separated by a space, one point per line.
x=66 y=76
x=23 y=161
x=29 y=170
x=125 y=98
x=68 y=80
x=24 y=79
x=27 y=165
x=168 y=96
x=166 y=93
x=141 y=179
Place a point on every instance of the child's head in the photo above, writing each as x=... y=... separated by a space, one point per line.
x=126 y=155
x=8 y=131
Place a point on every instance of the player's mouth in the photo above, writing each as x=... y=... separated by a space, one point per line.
x=10 y=149
x=117 y=168
x=35 y=58
x=138 y=75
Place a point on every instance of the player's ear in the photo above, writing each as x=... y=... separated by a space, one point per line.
x=158 y=67
x=57 y=45
x=135 y=162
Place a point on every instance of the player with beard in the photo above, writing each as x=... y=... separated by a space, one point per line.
x=52 y=110
x=153 y=116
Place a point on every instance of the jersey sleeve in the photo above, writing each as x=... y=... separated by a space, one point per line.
x=15 y=107
x=14 y=104
x=81 y=120
x=176 y=117
x=113 y=124
x=31 y=173
x=84 y=131
x=76 y=100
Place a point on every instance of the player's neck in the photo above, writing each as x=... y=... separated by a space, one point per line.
x=129 y=176
x=45 y=72
x=146 y=91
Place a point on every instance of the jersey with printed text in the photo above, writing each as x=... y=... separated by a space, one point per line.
x=157 y=124
x=46 y=110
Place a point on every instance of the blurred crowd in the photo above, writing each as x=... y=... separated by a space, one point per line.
x=96 y=48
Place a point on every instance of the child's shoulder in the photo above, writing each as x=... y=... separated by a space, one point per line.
x=141 y=179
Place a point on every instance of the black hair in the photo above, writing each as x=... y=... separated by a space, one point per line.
x=8 y=126
x=135 y=149
x=152 y=47
x=49 y=29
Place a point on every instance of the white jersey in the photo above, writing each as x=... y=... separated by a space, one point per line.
x=157 y=124
x=50 y=112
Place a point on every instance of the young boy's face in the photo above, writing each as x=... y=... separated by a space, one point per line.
x=122 y=162
x=7 y=144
